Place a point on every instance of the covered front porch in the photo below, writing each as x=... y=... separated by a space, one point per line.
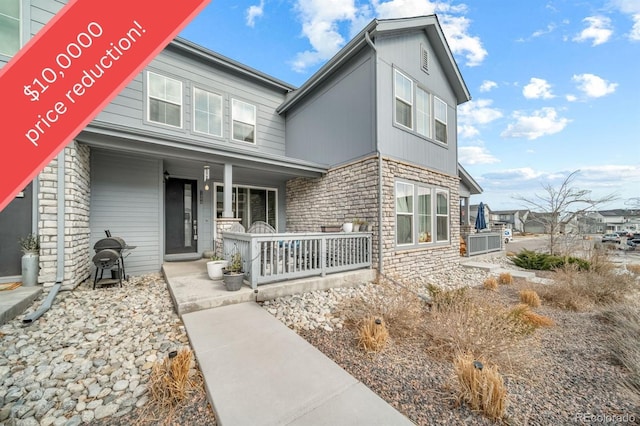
x=192 y=290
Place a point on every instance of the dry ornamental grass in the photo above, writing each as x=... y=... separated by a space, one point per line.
x=530 y=297
x=373 y=334
x=490 y=283
x=170 y=380
x=505 y=278
x=481 y=386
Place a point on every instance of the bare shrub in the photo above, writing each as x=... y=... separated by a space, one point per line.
x=505 y=278
x=582 y=290
x=401 y=309
x=170 y=379
x=634 y=269
x=490 y=283
x=475 y=325
x=481 y=386
x=530 y=297
x=537 y=320
x=373 y=334
x=624 y=325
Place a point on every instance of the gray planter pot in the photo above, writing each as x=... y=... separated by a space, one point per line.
x=30 y=269
x=233 y=280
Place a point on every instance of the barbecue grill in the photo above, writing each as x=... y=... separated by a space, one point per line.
x=110 y=254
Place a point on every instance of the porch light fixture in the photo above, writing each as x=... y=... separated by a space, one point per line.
x=206 y=178
x=166 y=175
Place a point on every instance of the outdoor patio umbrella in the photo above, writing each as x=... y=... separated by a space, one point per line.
x=481 y=222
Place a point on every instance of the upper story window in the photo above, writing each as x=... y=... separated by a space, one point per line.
x=243 y=118
x=404 y=99
x=164 y=100
x=422 y=211
x=207 y=112
x=423 y=116
x=440 y=114
x=9 y=27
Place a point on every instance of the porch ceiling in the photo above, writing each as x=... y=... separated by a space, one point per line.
x=186 y=151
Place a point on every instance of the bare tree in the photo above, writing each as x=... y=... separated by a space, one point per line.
x=561 y=205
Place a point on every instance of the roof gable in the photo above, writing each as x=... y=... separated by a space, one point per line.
x=363 y=40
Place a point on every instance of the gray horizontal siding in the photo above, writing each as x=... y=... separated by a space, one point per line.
x=403 y=52
x=129 y=107
x=336 y=123
x=126 y=199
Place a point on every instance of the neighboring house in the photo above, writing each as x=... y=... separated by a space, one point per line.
x=371 y=135
x=512 y=219
x=537 y=223
x=619 y=220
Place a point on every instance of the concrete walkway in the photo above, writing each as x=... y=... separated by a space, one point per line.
x=259 y=372
x=15 y=302
x=256 y=370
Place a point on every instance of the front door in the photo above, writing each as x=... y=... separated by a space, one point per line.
x=181 y=216
x=15 y=223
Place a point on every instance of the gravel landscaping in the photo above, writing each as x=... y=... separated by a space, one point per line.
x=89 y=358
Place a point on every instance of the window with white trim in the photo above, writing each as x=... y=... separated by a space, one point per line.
x=9 y=27
x=207 y=112
x=422 y=214
x=243 y=118
x=250 y=204
x=440 y=123
x=423 y=117
x=404 y=213
x=404 y=100
x=442 y=216
x=164 y=100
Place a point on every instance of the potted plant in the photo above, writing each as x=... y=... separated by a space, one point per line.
x=347 y=226
x=357 y=223
x=215 y=265
x=30 y=247
x=366 y=226
x=232 y=275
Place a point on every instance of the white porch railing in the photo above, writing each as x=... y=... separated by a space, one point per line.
x=483 y=242
x=269 y=258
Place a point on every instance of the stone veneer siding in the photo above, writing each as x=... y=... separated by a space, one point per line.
x=346 y=192
x=77 y=252
x=351 y=191
x=405 y=264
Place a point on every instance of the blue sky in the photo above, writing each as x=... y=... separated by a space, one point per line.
x=555 y=84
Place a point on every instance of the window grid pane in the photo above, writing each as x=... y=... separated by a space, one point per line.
x=422 y=113
x=244 y=121
x=165 y=100
x=404 y=213
x=208 y=112
x=440 y=115
x=404 y=100
x=442 y=219
x=424 y=215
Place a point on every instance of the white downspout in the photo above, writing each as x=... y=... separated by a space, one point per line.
x=61 y=213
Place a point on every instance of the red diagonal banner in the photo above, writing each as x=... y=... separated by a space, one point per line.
x=70 y=70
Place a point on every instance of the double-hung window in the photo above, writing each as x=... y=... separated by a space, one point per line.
x=9 y=27
x=442 y=215
x=440 y=115
x=422 y=214
x=423 y=117
x=165 y=100
x=207 y=112
x=404 y=213
x=243 y=118
x=404 y=100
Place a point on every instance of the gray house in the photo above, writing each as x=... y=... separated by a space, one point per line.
x=198 y=142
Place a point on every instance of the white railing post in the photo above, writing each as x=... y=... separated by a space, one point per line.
x=254 y=261
x=323 y=255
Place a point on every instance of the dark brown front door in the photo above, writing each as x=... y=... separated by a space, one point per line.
x=181 y=216
x=15 y=223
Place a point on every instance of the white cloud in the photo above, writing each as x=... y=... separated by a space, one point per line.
x=594 y=86
x=571 y=98
x=598 y=30
x=537 y=88
x=320 y=20
x=474 y=113
x=488 y=85
x=550 y=28
x=634 y=35
x=542 y=122
x=254 y=12
x=456 y=31
x=514 y=175
x=470 y=155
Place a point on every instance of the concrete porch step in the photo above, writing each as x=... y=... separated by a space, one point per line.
x=15 y=302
